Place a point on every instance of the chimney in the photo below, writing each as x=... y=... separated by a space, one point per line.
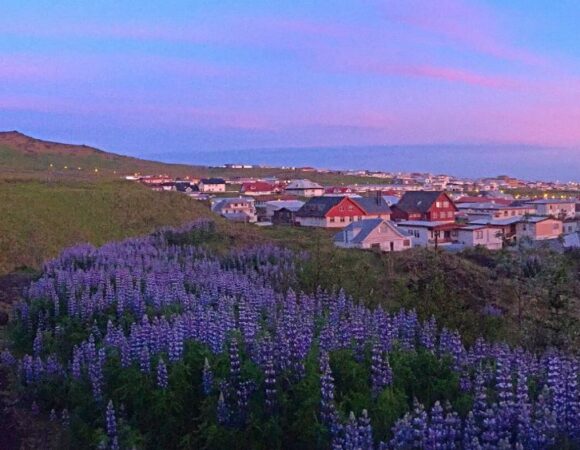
x=379 y=197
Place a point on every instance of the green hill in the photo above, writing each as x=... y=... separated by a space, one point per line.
x=38 y=219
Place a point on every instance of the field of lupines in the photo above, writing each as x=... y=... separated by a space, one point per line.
x=158 y=343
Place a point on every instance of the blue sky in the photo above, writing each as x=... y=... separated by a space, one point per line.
x=180 y=76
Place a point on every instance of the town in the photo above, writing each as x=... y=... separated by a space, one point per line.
x=406 y=210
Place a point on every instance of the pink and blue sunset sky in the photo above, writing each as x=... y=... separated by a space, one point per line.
x=186 y=75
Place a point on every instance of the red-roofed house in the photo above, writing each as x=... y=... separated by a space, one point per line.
x=257 y=188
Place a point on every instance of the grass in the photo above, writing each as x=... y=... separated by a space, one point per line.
x=38 y=219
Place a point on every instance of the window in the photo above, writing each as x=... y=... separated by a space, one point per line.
x=350 y=207
x=445 y=204
x=438 y=204
x=341 y=208
x=434 y=215
x=479 y=235
x=349 y=218
x=406 y=242
x=342 y=219
x=556 y=226
x=505 y=213
x=332 y=220
x=450 y=214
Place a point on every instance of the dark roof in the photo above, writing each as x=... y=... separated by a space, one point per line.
x=213 y=181
x=373 y=205
x=318 y=206
x=418 y=201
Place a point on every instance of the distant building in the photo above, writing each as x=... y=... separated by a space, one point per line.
x=257 y=188
x=212 y=185
x=238 y=209
x=434 y=206
x=538 y=228
x=480 y=210
x=373 y=233
x=562 y=209
x=304 y=188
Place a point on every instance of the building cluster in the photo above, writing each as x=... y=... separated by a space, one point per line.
x=412 y=210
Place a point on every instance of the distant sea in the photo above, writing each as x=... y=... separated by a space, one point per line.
x=530 y=163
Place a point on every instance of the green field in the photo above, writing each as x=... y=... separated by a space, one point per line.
x=39 y=219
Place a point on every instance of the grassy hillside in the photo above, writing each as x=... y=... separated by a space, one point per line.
x=24 y=157
x=39 y=219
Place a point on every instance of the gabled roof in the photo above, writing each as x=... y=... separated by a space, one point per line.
x=373 y=205
x=419 y=201
x=363 y=228
x=318 y=206
x=303 y=184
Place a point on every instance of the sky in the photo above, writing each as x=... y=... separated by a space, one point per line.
x=186 y=77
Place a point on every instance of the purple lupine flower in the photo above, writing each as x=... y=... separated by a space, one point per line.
x=327 y=407
x=436 y=432
x=65 y=418
x=365 y=431
x=381 y=374
x=162 y=379
x=223 y=412
x=403 y=434
x=37 y=344
x=207 y=378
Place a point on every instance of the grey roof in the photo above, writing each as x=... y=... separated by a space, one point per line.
x=373 y=205
x=364 y=228
x=418 y=201
x=548 y=201
x=291 y=205
x=303 y=184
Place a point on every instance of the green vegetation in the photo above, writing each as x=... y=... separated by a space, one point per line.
x=39 y=219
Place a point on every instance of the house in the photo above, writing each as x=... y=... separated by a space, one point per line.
x=338 y=190
x=212 y=185
x=239 y=209
x=272 y=206
x=483 y=235
x=304 y=188
x=338 y=212
x=570 y=226
x=373 y=233
x=186 y=187
x=558 y=208
x=428 y=233
x=257 y=188
x=538 y=228
x=434 y=206
x=506 y=228
x=286 y=215
x=491 y=210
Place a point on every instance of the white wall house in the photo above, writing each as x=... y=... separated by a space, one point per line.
x=304 y=188
x=428 y=233
x=474 y=235
x=212 y=185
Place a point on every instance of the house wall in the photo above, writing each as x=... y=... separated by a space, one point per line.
x=419 y=235
x=547 y=229
x=555 y=209
x=383 y=237
x=212 y=187
x=488 y=237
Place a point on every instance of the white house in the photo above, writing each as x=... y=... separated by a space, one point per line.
x=304 y=188
x=238 y=209
x=212 y=185
x=373 y=233
x=538 y=228
x=426 y=233
x=484 y=235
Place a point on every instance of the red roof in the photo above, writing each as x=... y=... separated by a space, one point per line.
x=257 y=186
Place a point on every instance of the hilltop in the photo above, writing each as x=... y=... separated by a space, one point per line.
x=22 y=156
